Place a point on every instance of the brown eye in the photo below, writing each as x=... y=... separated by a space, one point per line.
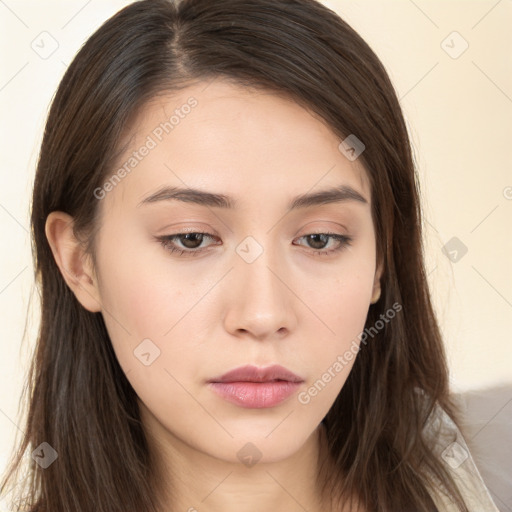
x=185 y=243
x=191 y=240
x=319 y=241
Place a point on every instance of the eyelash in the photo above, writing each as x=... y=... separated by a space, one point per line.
x=167 y=241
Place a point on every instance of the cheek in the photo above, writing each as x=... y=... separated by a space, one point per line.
x=342 y=296
x=341 y=312
x=143 y=322
x=153 y=307
x=138 y=302
x=349 y=301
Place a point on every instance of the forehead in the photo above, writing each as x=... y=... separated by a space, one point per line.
x=226 y=138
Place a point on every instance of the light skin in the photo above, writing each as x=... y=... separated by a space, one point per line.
x=212 y=312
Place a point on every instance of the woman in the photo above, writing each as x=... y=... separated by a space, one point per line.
x=235 y=312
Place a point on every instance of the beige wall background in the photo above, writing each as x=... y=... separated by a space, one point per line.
x=450 y=62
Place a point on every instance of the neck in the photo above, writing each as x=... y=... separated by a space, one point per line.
x=194 y=481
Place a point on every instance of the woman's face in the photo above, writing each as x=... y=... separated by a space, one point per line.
x=255 y=289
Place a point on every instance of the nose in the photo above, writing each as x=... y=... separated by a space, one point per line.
x=260 y=301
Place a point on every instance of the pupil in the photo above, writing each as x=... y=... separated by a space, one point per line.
x=189 y=242
x=314 y=238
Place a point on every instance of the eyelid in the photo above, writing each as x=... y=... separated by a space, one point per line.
x=344 y=241
x=196 y=228
x=320 y=226
x=167 y=242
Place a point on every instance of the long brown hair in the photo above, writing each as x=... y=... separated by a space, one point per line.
x=79 y=400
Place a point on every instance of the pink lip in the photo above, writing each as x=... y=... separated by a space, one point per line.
x=257 y=388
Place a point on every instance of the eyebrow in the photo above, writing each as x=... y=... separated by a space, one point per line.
x=200 y=197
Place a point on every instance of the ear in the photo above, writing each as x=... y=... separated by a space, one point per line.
x=376 y=283
x=74 y=264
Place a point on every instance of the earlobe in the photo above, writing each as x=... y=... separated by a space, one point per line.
x=74 y=265
x=376 y=284
x=376 y=294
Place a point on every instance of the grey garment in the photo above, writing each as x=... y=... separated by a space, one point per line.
x=449 y=444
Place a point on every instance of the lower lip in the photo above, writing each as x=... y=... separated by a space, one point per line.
x=255 y=395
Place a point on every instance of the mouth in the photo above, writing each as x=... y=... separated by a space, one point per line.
x=256 y=388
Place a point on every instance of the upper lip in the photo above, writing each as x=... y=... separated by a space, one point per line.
x=251 y=373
